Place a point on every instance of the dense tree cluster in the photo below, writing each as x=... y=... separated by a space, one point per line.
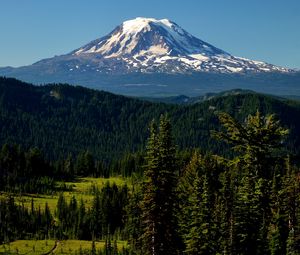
x=248 y=204
x=28 y=171
x=241 y=198
x=60 y=119
x=71 y=220
x=24 y=171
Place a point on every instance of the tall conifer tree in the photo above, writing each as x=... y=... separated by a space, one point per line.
x=159 y=235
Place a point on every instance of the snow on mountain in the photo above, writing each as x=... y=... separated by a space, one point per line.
x=150 y=45
x=138 y=46
x=148 y=36
x=150 y=58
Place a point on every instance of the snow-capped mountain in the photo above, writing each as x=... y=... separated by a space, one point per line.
x=151 y=45
x=147 y=56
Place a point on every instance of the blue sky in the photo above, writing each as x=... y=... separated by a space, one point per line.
x=267 y=30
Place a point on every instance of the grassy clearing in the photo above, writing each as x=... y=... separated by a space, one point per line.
x=81 y=189
x=85 y=184
x=71 y=246
x=31 y=247
x=27 y=247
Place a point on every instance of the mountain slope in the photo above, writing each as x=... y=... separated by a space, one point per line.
x=62 y=119
x=139 y=50
x=152 y=46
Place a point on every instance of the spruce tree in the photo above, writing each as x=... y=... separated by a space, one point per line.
x=200 y=239
x=292 y=193
x=133 y=221
x=158 y=209
x=186 y=191
x=167 y=181
x=257 y=143
x=257 y=140
x=225 y=205
x=197 y=208
x=150 y=206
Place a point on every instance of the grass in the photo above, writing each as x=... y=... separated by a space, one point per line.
x=27 y=247
x=85 y=184
x=71 y=246
x=31 y=247
x=81 y=189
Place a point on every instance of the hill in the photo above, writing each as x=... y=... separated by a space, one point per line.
x=61 y=119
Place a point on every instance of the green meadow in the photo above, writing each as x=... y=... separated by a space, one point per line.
x=81 y=188
x=39 y=247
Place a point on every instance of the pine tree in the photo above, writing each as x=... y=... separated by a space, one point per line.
x=47 y=220
x=293 y=196
x=257 y=142
x=73 y=217
x=168 y=182
x=69 y=167
x=62 y=214
x=133 y=225
x=186 y=190
x=150 y=206
x=277 y=240
x=158 y=209
x=93 y=249
x=200 y=239
x=226 y=211
x=96 y=217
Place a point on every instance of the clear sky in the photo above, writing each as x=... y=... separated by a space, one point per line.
x=267 y=30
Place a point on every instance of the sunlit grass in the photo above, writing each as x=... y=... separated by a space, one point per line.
x=27 y=247
x=81 y=190
x=32 y=247
x=71 y=246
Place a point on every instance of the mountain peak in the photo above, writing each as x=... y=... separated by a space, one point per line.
x=149 y=45
x=144 y=37
x=160 y=45
x=139 y=23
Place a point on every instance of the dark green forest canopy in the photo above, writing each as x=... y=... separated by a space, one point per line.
x=61 y=119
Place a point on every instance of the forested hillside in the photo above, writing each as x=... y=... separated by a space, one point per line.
x=216 y=177
x=248 y=204
x=60 y=119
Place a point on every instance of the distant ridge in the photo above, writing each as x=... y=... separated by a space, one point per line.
x=61 y=119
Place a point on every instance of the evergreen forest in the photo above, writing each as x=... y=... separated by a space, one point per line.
x=216 y=177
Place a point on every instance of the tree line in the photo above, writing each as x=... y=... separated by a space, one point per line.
x=28 y=171
x=63 y=120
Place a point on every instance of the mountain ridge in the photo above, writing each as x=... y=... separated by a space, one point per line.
x=61 y=119
x=150 y=45
x=145 y=56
